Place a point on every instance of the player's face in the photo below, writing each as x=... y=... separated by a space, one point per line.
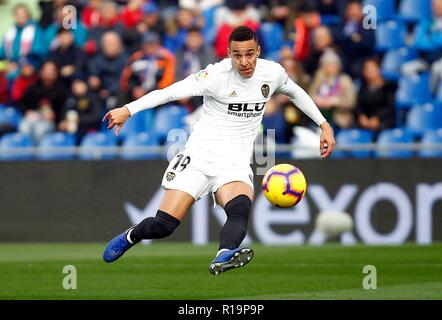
x=244 y=55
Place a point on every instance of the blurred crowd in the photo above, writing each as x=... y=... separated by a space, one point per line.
x=64 y=73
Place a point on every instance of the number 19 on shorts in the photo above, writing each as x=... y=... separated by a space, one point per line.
x=181 y=162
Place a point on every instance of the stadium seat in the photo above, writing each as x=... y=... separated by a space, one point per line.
x=393 y=61
x=168 y=118
x=431 y=144
x=56 y=146
x=388 y=140
x=412 y=11
x=423 y=117
x=133 y=144
x=438 y=94
x=140 y=122
x=9 y=116
x=9 y=141
x=421 y=39
x=385 y=9
x=390 y=35
x=348 y=138
x=271 y=36
x=98 y=146
x=412 y=90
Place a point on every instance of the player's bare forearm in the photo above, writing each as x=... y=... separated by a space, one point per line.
x=117 y=117
x=327 y=140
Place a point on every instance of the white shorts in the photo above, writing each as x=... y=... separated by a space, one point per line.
x=198 y=177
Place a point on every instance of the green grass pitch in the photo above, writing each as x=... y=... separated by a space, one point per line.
x=179 y=271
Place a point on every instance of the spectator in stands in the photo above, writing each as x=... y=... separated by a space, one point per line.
x=5 y=127
x=375 y=102
x=322 y=39
x=23 y=38
x=78 y=31
x=82 y=111
x=333 y=91
x=328 y=7
x=91 y=14
x=333 y=8
x=42 y=103
x=47 y=9
x=282 y=11
x=109 y=21
x=356 y=42
x=197 y=5
x=132 y=13
x=106 y=67
x=152 y=20
x=177 y=31
x=193 y=56
x=28 y=76
x=304 y=24
x=69 y=58
x=4 y=96
x=149 y=69
x=234 y=14
x=295 y=71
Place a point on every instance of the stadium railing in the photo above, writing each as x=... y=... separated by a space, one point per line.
x=160 y=152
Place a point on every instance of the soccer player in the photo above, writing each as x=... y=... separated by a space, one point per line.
x=216 y=158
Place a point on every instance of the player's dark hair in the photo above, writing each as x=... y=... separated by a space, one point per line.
x=243 y=33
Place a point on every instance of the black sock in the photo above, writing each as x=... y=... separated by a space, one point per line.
x=235 y=229
x=160 y=226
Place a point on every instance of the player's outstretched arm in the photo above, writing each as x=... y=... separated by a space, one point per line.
x=179 y=90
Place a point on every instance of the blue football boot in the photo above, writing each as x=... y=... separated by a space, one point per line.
x=117 y=247
x=229 y=259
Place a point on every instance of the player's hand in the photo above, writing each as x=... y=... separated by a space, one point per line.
x=327 y=142
x=117 y=117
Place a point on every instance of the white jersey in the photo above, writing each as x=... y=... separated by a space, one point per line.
x=233 y=107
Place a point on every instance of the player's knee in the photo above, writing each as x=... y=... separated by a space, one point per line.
x=239 y=207
x=161 y=226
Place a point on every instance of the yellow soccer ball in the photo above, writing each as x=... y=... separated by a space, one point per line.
x=284 y=185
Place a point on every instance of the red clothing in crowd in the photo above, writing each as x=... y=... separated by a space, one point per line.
x=130 y=18
x=3 y=88
x=301 y=46
x=90 y=17
x=20 y=85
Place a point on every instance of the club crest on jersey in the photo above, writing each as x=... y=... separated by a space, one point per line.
x=265 y=90
x=170 y=176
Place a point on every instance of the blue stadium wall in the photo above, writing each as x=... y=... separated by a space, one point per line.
x=391 y=201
